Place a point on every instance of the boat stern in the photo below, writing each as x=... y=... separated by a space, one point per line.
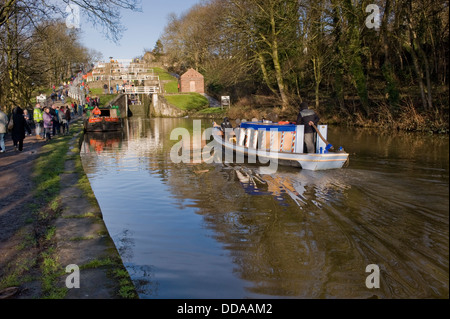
x=320 y=162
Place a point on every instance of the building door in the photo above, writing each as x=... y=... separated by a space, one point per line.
x=192 y=86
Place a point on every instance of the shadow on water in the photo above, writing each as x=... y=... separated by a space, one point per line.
x=226 y=231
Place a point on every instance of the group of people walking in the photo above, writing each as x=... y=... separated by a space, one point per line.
x=51 y=121
x=47 y=122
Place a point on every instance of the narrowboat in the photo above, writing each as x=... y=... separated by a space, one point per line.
x=103 y=119
x=283 y=143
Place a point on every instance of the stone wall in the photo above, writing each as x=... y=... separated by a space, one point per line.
x=161 y=108
x=154 y=106
x=121 y=102
x=141 y=110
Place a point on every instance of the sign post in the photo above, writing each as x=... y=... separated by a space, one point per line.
x=225 y=101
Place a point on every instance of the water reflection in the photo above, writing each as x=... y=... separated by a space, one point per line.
x=227 y=231
x=96 y=142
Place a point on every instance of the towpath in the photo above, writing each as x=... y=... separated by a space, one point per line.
x=79 y=235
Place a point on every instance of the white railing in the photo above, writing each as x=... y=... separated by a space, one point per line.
x=117 y=77
x=130 y=77
x=141 y=90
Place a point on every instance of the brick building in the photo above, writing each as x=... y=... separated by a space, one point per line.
x=192 y=81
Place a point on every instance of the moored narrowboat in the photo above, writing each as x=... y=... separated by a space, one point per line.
x=103 y=119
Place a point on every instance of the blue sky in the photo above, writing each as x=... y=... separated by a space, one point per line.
x=143 y=29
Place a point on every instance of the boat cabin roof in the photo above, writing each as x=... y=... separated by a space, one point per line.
x=269 y=126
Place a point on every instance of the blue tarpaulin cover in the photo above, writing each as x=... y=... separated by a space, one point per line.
x=269 y=126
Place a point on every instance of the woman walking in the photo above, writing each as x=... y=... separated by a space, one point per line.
x=68 y=119
x=18 y=131
x=48 y=124
x=27 y=117
x=62 y=119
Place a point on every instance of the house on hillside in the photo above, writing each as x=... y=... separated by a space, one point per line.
x=192 y=81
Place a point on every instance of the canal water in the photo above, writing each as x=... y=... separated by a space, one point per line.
x=223 y=230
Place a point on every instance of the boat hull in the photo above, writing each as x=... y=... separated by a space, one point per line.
x=103 y=125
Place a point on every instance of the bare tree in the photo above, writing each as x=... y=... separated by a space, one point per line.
x=38 y=48
x=101 y=13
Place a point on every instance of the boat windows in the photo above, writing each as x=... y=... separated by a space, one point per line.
x=105 y=113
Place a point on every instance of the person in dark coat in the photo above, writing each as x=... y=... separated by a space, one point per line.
x=68 y=119
x=307 y=118
x=18 y=131
x=55 y=119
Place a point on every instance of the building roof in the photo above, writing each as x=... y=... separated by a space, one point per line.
x=191 y=73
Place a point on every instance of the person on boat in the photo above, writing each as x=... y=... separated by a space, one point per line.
x=96 y=112
x=226 y=124
x=227 y=128
x=308 y=117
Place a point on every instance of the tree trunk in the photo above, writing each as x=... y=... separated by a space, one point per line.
x=277 y=66
x=413 y=46
x=419 y=74
x=355 y=64
x=10 y=40
x=317 y=78
x=427 y=79
x=339 y=65
x=387 y=69
x=264 y=72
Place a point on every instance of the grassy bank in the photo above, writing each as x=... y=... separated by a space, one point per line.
x=47 y=190
x=103 y=98
x=169 y=82
x=188 y=101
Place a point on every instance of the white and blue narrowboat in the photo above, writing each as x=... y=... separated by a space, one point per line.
x=283 y=143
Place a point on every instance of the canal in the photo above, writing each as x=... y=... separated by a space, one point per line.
x=221 y=230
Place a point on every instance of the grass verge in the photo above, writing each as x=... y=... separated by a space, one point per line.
x=188 y=101
x=170 y=82
x=104 y=98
